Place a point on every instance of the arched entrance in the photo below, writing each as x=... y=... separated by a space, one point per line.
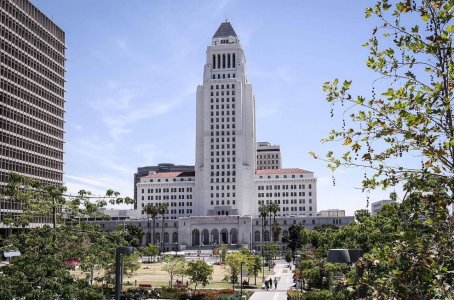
x=195 y=237
x=233 y=236
x=205 y=237
x=214 y=236
x=224 y=236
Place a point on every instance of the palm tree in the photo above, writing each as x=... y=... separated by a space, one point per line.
x=273 y=208
x=152 y=212
x=263 y=213
x=162 y=211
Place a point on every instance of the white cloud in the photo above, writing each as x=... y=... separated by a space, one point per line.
x=124 y=107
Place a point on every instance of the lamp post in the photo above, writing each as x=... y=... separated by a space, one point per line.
x=119 y=254
x=241 y=278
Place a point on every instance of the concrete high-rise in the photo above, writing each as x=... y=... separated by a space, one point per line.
x=32 y=79
x=225 y=130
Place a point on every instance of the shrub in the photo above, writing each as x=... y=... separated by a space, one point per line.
x=316 y=295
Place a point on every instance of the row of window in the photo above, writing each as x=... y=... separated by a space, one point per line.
x=49 y=80
x=31 y=19
x=221 y=180
x=226 y=186
x=222 y=140
x=221 y=159
x=49 y=102
x=284 y=176
x=167 y=190
x=29 y=133
x=26 y=120
x=223 y=202
x=222 y=195
x=26 y=103
x=29 y=170
x=223 y=76
x=222 y=126
x=173 y=179
x=267 y=156
x=25 y=144
x=32 y=112
x=30 y=158
x=21 y=49
x=224 y=61
x=284 y=187
x=283 y=194
x=31 y=80
x=268 y=162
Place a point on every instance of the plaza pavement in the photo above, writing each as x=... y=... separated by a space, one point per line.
x=285 y=281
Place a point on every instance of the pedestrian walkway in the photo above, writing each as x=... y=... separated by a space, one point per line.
x=285 y=281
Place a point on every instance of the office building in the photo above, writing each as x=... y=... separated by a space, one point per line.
x=32 y=96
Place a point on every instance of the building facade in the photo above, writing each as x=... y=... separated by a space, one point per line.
x=378 y=205
x=225 y=130
x=268 y=156
x=160 y=168
x=32 y=79
x=217 y=203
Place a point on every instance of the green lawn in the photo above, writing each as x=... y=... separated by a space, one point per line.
x=152 y=274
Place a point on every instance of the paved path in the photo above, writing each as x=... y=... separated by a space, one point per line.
x=285 y=280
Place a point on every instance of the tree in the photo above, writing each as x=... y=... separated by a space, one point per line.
x=162 y=211
x=42 y=271
x=172 y=265
x=133 y=234
x=222 y=252
x=232 y=265
x=152 y=212
x=254 y=266
x=276 y=231
x=271 y=250
x=297 y=236
x=150 y=250
x=409 y=117
x=273 y=208
x=199 y=272
x=414 y=112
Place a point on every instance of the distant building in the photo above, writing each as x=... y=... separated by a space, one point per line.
x=331 y=213
x=160 y=168
x=378 y=205
x=268 y=156
x=32 y=97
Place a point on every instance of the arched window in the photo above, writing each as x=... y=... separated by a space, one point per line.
x=174 y=237
x=228 y=60
x=157 y=237
x=267 y=236
x=166 y=237
x=233 y=61
x=214 y=61
x=257 y=236
x=223 y=61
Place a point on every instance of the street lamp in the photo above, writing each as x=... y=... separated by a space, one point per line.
x=119 y=254
x=241 y=278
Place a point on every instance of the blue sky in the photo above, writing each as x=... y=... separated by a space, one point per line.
x=133 y=68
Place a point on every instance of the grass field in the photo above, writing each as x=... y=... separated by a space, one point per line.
x=152 y=274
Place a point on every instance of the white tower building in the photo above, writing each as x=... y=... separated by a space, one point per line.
x=225 y=131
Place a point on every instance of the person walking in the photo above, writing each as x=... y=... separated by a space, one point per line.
x=266 y=284
x=270 y=282
x=275 y=283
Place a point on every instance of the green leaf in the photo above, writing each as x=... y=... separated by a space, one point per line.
x=450 y=28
